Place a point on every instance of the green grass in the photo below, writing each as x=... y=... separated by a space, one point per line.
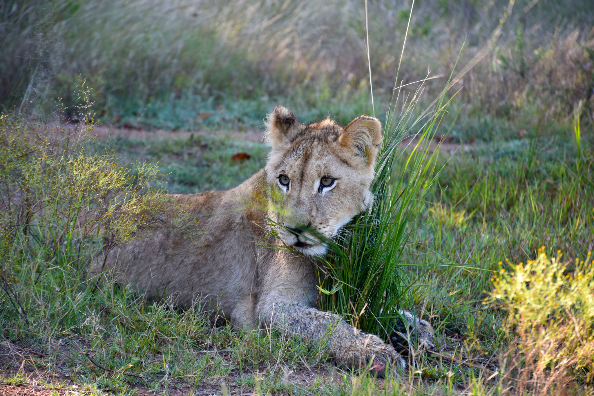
x=491 y=201
x=194 y=163
x=517 y=196
x=363 y=279
x=514 y=196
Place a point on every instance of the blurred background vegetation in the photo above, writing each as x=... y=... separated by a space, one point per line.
x=196 y=64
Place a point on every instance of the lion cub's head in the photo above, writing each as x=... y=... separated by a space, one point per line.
x=319 y=175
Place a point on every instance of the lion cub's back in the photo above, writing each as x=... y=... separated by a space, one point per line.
x=218 y=265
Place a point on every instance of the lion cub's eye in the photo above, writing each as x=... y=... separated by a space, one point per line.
x=326 y=182
x=284 y=180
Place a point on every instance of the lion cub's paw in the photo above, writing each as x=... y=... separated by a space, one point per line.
x=383 y=357
x=370 y=351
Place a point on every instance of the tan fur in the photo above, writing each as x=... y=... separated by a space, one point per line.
x=232 y=267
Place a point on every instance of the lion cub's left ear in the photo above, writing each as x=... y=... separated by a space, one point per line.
x=364 y=136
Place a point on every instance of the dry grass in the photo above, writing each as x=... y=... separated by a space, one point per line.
x=184 y=58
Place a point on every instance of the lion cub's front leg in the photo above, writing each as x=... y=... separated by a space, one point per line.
x=348 y=345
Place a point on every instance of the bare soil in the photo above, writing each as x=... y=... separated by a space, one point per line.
x=112 y=131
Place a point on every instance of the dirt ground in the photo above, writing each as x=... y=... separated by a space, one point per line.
x=254 y=136
x=27 y=378
x=110 y=131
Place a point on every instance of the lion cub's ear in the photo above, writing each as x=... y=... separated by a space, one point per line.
x=281 y=127
x=364 y=136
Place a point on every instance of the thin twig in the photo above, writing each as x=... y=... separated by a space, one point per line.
x=12 y=297
x=12 y=346
x=113 y=372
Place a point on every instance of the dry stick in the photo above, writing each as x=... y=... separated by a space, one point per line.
x=420 y=81
x=113 y=372
x=12 y=297
x=12 y=347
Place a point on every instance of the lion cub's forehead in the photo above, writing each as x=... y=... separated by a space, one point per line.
x=325 y=128
x=313 y=157
x=315 y=135
x=315 y=147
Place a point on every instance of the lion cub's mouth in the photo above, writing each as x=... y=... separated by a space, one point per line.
x=310 y=248
x=300 y=244
x=304 y=243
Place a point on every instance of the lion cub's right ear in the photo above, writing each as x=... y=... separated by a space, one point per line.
x=363 y=136
x=281 y=128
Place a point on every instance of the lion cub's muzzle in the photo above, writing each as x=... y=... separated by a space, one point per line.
x=306 y=240
x=302 y=240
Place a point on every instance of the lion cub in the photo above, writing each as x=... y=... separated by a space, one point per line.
x=317 y=176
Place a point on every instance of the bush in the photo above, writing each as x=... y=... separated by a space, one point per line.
x=59 y=206
x=551 y=312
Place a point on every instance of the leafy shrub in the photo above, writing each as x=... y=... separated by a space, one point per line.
x=551 y=312
x=59 y=206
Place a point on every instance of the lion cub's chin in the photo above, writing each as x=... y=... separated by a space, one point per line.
x=312 y=249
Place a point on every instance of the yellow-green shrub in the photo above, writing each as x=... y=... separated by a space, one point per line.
x=50 y=184
x=550 y=307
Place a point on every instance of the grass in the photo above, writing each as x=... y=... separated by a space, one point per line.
x=92 y=331
x=521 y=179
x=363 y=280
x=193 y=163
x=515 y=195
x=519 y=196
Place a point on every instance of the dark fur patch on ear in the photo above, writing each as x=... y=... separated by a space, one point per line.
x=284 y=118
x=361 y=150
x=281 y=127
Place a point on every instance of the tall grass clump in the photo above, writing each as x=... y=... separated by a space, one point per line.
x=550 y=312
x=364 y=277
